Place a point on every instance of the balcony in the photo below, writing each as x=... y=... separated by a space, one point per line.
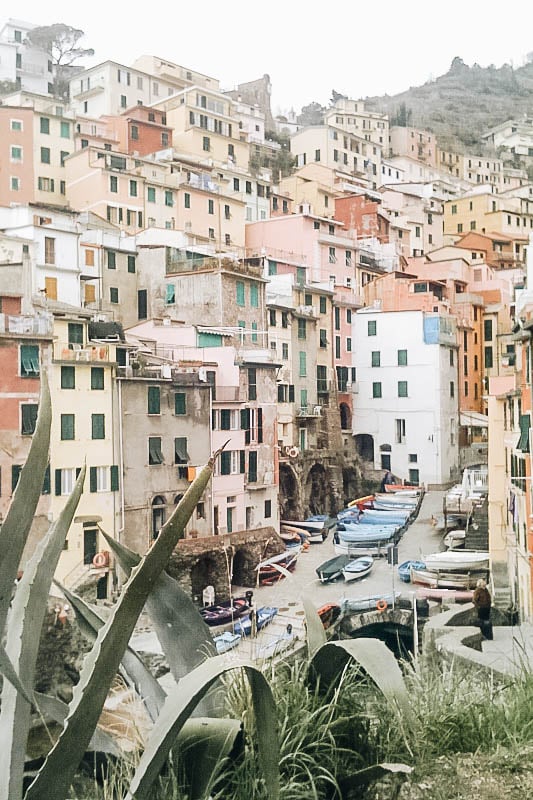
x=65 y=351
x=227 y=394
x=313 y=412
x=26 y=325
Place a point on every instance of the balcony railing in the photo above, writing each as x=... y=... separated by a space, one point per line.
x=32 y=325
x=64 y=351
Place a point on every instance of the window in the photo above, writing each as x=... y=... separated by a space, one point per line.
x=134 y=131
x=65 y=130
x=487 y=330
x=376 y=389
x=133 y=188
x=210 y=206
x=414 y=477
x=206 y=144
x=337 y=315
x=131 y=263
x=323 y=305
x=67 y=426
x=303 y=364
x=155 y=455
x=44 y=123
x=349 y=316
x=452 y=389
x=252 y=383
x=211 y=233
x=49 y=250
x=169 y=198
x=254 y=335
x=123 y=101
x=323 y=338
x=332 y=256
x=45 y=155
x=252 y=466
x=402 y=358
x=15 y=183
x=400 y=431
x=181 y=455
x=16 y=153
x=68 y=377
x=64 y=480
x=254 y=295
x=376 y=358
x=113 y=183
x=489 y=361
x=321 y=379
x=111 y=259
x=285 y=351
x=402 y=388
x=239 y=287
x=113 y=294
x=284 y=319
x=268 y=509
x=302 y=328
x=180 y=403
x=97 y=426
x=372 y=327
x=28 y=418
x=337 y=346
x=29 y=360
x=154 y=400
x=349 y=344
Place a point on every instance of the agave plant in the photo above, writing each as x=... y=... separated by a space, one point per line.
x=184 y=637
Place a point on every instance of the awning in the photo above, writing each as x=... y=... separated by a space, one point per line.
x=471 y=419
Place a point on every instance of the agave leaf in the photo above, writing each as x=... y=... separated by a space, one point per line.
x=375 y=658
x=57 y=710
x=184 y=637
x=202 y=745
x=90 y=622
x=178 y=708
x=8 y=671
x=19 y=517
x=101 y=664
x=370 y=774
x=22 y=643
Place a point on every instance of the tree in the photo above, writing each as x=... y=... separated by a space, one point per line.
x=336 y=96
x=312 y=114
x=61 y=43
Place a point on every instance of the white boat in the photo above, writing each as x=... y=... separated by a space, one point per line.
x=445 y=580
x=357 y=568
x=462 y=560
x=358 y=549
x=454 y=539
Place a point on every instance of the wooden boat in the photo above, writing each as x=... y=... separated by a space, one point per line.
x=367 y=533
x=263 y=616
x=329 y=613
x=331 y=569
x=372 y=516
x=316 y=529
x=358 y=568
x=291 y=532
x=445 y=580
x=223 y=613
x=361 y=502
x=375 y=602
x=462 y=560
x=226 y=641
x=267 y=573
x=404 y=570
x=290 y=537
x=357 y=549
x=397 y=488
x=454 y=540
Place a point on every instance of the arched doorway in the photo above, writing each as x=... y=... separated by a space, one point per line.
x=350 y=485
x=203 y=574
x=158 y=514
x=346 y=417
x=239 y=568
x=316 y=490
x=364 y=444
x=288 y=493
x=398 y=638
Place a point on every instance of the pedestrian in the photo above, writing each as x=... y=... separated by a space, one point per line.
x=388 y=478
x=482 y=602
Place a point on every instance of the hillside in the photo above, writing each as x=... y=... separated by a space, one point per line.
x=463 y=103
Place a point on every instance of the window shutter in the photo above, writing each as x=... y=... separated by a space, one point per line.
x=114 y=478
x=252 y=466
x=291 y=393
x=225 y=462
x=225 y=419
x=92 y=479
x=260 y=425
x=154 y=401
x=242 y=462
x=179 y=403
x=57 y=481
x=181 y=456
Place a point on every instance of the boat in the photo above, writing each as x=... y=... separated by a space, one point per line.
x=224 y=613
x=263 y=616
x=454 y=539
x=316 y=529
x=371 y=516
x=358 y=568
x=278 y=644
x=400 y=488
x=290 y=532
x=226 y=641
x=400 y=499
x=367 y=533
x=452 y=521
x=375 y=602
x=361 y=502
x=404 y=570
x=290 y=537
x=331 y=569
x=329 y=613
x=465 y=560
x=357 y=549
x=267 y=572
x=445 y=580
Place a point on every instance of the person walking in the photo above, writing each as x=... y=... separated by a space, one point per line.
x=482 y=603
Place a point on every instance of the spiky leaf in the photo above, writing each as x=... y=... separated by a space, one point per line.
x=101 y=664
x=202 y=745
x=19 y=517
x=22 y=643
x=148 y=688
x=57 y=710
x=178 y=708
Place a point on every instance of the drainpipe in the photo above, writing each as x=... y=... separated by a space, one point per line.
x=121 y=460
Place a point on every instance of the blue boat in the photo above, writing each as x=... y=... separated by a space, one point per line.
x=264 y=615
x=373 y=517
x=226 y=641
x=404 y=570
x=363 y=533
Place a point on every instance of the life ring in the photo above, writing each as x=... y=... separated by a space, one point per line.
x=100 y=560
x=381 y=605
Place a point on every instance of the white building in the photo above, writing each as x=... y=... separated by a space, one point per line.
x=28 y=67
x=406 y=410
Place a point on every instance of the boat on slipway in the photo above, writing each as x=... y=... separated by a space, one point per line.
x=268 y=572
x=226 y=612
x=462 y=560
x=358 y=568
x=445 y=580
x=331 y=569
x=371 y=516
x=404 y=569
x=375 y=602
x=367 y=533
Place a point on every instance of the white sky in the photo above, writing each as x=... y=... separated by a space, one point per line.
x=359 y=49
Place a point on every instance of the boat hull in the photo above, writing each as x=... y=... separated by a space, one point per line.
x=462 y=560
x=445 y=580
x=357 y=569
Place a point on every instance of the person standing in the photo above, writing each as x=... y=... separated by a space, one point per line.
x=388 y=478
x=482 y=602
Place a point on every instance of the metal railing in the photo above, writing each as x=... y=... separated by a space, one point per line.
x=65 y=351
x=26 y=324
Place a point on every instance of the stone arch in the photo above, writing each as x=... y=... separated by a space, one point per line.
x=350 y=484
x=240 y=567
x=394 y=627
x=159 y=513
x=346 y=417
x=203 y=573
x=317 y=490
x=364 y=444
x=289 y=492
